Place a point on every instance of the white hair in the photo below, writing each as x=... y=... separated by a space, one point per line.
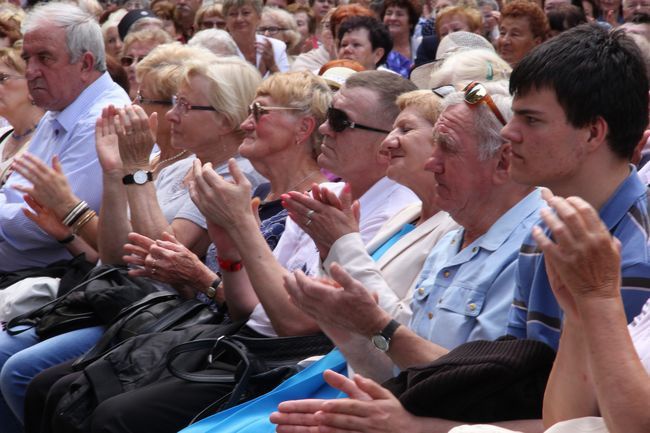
x=486 y=125
x=218 y=41
x=82 y=32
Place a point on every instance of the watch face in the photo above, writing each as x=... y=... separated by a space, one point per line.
x=140 y=177
x=380 y=342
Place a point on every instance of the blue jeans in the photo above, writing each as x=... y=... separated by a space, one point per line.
x=23 y=356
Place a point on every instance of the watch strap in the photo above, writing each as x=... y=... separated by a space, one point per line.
x=129 y=179
x=389 y=330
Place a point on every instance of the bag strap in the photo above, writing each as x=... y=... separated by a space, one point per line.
x=30 y=319
x=105 y=384
x=177 y=314
x=214 y=344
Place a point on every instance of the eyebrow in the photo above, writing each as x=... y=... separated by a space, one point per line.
x=527 y=112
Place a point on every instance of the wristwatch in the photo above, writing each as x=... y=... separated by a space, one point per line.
x=382 y=340
x=211 y=291
x=140 y=177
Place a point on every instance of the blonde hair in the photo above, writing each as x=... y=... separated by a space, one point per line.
x=11 y=19
x=471 y=65
x=212 y=10
x=11 y=58
x=231 y=83
x=163 y=66
x=286 y=20
x=156 y=36
x=425 y=101
x=257 y=5
x=302 y=90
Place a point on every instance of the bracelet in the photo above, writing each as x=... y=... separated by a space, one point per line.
x=75 y=213
x=87 y=216
x=67 y=240
x=229 y=265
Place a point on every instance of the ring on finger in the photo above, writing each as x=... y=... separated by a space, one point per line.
x=308 y=221
x=310 y=212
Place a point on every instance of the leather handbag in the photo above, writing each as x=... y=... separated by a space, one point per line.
x=253 y=366
x=156 y=312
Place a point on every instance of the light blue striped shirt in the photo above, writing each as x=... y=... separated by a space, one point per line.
x=70 y=134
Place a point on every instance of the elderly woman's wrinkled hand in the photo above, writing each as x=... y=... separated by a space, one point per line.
x=136 y=135
x=323 y=216
x=267 y=63
x=222 y=202
x=583 y=258
x=106 y=141
x=50 y=186
x=165 y=260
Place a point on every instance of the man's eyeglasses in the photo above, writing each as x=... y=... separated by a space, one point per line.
x=144 y=101
x=443 y=91
x=5 y=77
x=270 y=30
x=258 y=110
x=184 y=107
x=475 y=93
x=127 y=61
x=339 y=122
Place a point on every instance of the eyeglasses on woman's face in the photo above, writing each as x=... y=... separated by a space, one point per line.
x=184 y=107
x=258 y=110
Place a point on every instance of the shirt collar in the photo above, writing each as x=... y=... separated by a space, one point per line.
x=68 y=117
x=501 y=230
x=622 y=200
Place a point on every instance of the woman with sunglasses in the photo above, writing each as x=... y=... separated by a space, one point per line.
x=281 y=139
x=279 y=151
x=17 y=108
x=136 y=46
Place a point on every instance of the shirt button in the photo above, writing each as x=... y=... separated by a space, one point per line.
x=421 y=291
x=446 y=274
x=440 y=301
x=475 y=249
x=430 y=316
x=472 y=306
x=453 y=241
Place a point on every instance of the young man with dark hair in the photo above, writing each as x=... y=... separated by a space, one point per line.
x=580 y=107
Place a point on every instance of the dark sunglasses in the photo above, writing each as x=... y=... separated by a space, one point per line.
x=257 y=110
x=127 y=61
x=339 y=122
x=144 y=101
x=476 y=93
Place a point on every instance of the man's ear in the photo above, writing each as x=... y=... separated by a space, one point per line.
x=87 y=62
x=597 y=133
x=503 y=163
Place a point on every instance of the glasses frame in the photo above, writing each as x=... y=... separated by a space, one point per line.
x=258 y=110
x=345 y=123
x=271 y=30
x=219 y=25
x=139 y=99
x=5 y=77
x=131 y=60
x=186 y=107
x=476 y=93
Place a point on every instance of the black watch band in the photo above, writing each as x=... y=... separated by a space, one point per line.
x=139 y=177
x=382 y=340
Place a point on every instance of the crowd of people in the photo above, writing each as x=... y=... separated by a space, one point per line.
x=401 y=216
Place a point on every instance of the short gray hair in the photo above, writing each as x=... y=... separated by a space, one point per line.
x=486 y=125
x=82 y=32
x=218 y=41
